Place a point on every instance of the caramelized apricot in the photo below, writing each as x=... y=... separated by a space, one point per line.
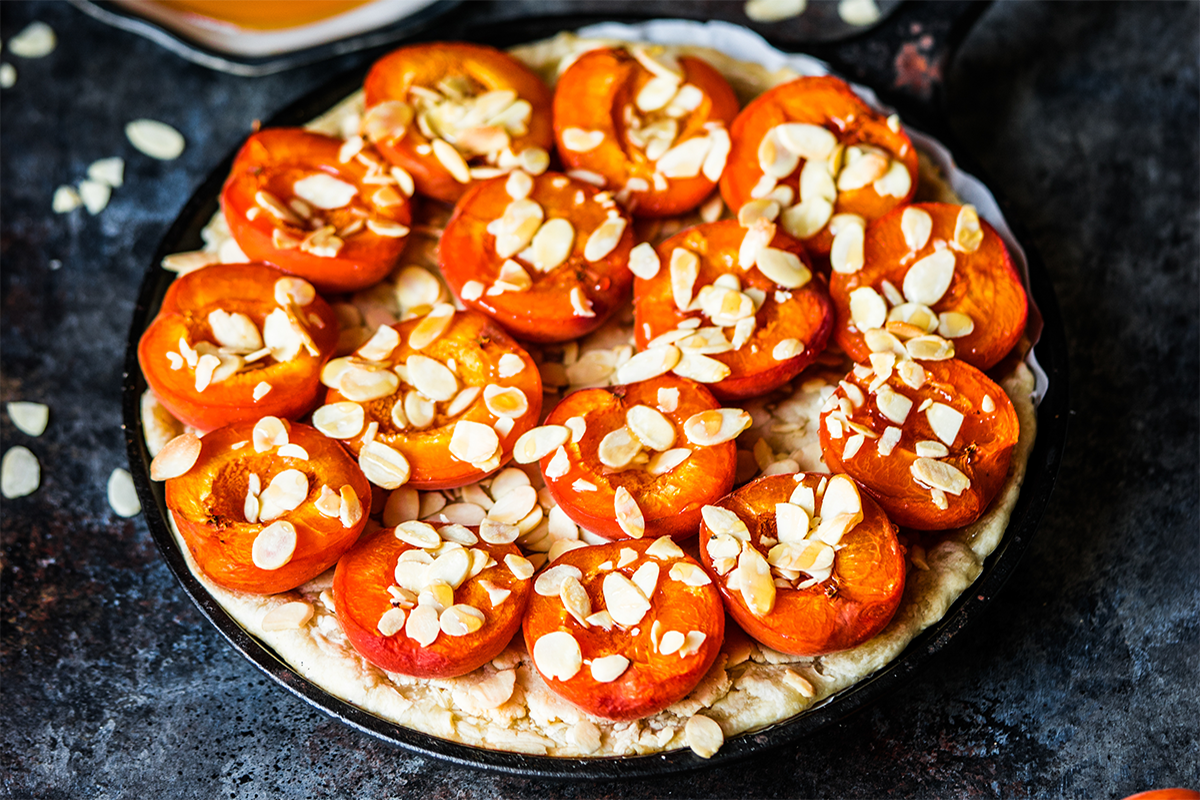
x=938 y=269
x=759 y=326
x=236 y=342
x=642 y=458
x=268 y=505
x=806 y=564
x=930 y=440
x=652 y=127
x=625 y=629
x=451 y=113
x=546 y=257
x=436 y=402
x=293 y=201
x=826 y=153
x=430 y=600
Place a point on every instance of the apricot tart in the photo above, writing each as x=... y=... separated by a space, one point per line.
x=629 y=651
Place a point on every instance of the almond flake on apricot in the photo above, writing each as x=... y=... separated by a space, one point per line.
x=940 y=475
x=473 y=442
x=945 y=422
x=274 y=545
x=807 y=217
x=722 y=521
x=754 y=582
x=604 y=239
x=895 y=182
x=650 y=427
x=391 y=621
x=536 y=443
x=689 y=574
x=557 y=655
x=968 y=233
x=929 y=278
x=629 y=515
x=716 y=426
x=624 y=601
x=867 y=309
x=916 y=225
x=929 y=348
x=384 y=466
x=649 y=364
x=783 y=267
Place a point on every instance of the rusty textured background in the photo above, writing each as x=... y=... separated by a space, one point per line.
x=1080 y=681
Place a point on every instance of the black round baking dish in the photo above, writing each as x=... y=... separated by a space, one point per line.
x=1050 y=351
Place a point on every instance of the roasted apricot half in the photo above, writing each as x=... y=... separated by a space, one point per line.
x=451 y=113
x=234 y=342
x=435 y=402
x=546 y=257
x=293 y=201
x=431 y=600
x=263 y=506
x=637 y=460
x=930 y=440
x=738 y=309
x=624 y=629
x=806 y=563
x=825 y=158
x=931 y=269
x=651 y=126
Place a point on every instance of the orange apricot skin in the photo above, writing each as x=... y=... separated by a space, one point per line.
x=610 y=79
x=670 y=503
x=543 y=313
x=855 y=604
x=986 y=286
x=272 y=159
x=477 y=344
x=206 y=504
x=823 y=101
x=807 y=316
x=652 y=681
x=985 y=458
x=426 y=64
x=245 y=288
x=360 y=596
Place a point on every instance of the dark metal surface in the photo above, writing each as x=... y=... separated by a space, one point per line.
x=185 y=235
x=1078 y=681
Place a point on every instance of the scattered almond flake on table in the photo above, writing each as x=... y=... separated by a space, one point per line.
x=8 y=75
x=155 y=139
x=35 y=41
x=20 y=473
x=94 y=195
x=122 y=495
x=109 y=171
x=30 y=418
x=858 y=12
x=774 y=10
x=65 y=199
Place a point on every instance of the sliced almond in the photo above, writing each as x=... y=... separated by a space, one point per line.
x=605 y=238
x=557 y=655
x=664 y=462
x=867 y=309
x=431 y=378
x=289 y=616
x=954 y=325
x=618 y=448
x=783 y=267
x=716 y=426
x=624 y=601
x=274 y=545
x=580 y=303
x=383 y=466
x=816 y=181
x=929 y=278
x=473 y=442
x=685 y=268
x=685 y=160
x=422 y=625
x=806 y=218
x=176 y=457
x=552 y=244
x=929 y=348
x=575 y=599
x=539 y=442
x=650 y=427
x=607 y=669
x=387 y=121
x=754 y=582
x=893 y=405
x=643 y=261
x=945 y=422
x=774 y=158
x=940 y=475
x=968 y=233
x=859 y=172
x=155 y=139
x=649 y=364
x=786 y=349
x=452 y=160
x=700 y=368
x=896 y=182
x=723 y=522
x=628 y=514
x=810 y=142
x=916 y=225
